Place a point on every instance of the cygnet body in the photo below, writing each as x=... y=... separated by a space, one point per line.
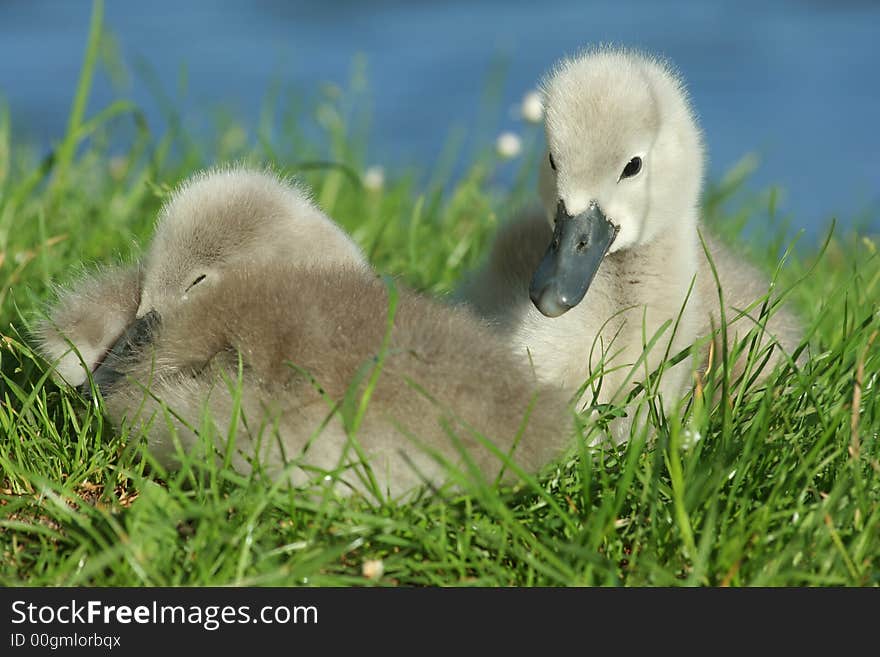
x=241 y=318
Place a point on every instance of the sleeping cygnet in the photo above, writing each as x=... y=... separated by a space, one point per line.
x=613 y=278
x=257 y=312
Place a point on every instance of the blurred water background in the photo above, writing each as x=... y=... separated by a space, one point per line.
x=796 y=83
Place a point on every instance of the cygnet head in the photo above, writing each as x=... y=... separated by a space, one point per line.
x=227 y=218
x=215 y=223
x=624 y=165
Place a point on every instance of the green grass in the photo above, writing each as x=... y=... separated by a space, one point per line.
x=781 y=488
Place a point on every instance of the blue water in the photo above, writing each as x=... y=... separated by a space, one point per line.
x=795 y=82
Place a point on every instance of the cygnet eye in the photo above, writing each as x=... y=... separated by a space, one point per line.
x=552 y=163
x=632 y=168
x=198 y=280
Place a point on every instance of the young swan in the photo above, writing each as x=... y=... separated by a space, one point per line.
x=282 y=345
x=620 y=187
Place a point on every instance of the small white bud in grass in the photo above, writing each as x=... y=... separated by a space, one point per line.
x=373 y=569
x=691 y=438
x=374 y=178
x=508 y=145
x=532 y=108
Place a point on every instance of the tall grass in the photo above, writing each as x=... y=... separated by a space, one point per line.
x=774 y=484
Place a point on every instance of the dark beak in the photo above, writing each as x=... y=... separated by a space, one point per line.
x=579 y=245
x=137 y=336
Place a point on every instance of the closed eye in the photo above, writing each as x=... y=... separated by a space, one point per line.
x=198 y=280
